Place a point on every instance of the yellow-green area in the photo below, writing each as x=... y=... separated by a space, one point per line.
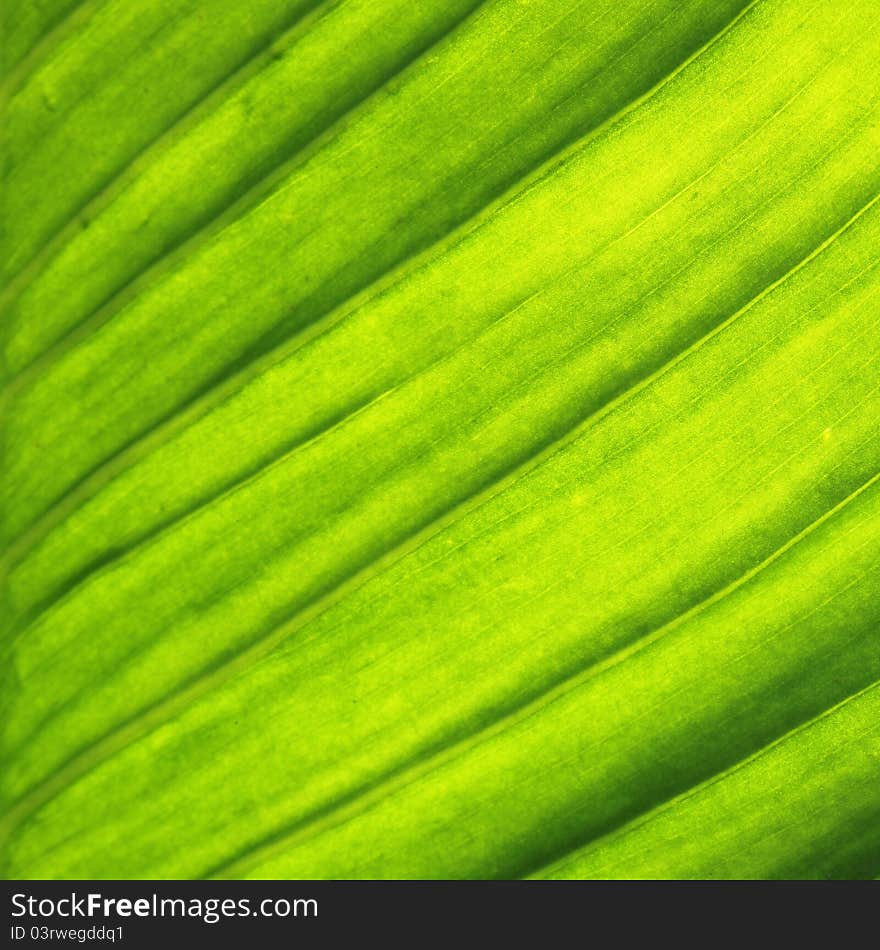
x=440 y=439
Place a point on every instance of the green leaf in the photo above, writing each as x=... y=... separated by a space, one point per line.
x=441 y=439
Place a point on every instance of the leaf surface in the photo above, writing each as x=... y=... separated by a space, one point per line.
x=441 y=439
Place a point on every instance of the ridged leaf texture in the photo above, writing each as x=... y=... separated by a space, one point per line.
x=441 y=438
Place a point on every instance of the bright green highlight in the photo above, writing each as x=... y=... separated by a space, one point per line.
x=441 y=439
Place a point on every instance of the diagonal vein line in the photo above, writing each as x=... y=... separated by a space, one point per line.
x=362 y=800
x=102 y=564
x=580 y=143
x=240 y=205
x=227 y=213
x=217 y=390
x=163 y=529
x=614 y=824
x=214 y=676
x=720 y=776
x=252 y=473
x=41 y=51
x=225 y=85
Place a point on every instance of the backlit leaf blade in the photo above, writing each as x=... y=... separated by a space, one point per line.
x=476 y=476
